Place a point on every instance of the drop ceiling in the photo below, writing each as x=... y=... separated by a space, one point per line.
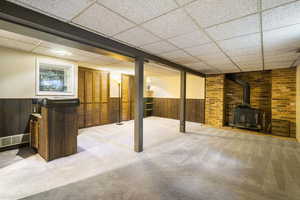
x=210 y=36
x=83 y=58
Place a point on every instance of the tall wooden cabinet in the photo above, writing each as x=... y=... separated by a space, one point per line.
x=93 y=92
x=127 y=94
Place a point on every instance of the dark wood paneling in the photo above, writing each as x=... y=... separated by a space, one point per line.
x=105 y=85
x=88 y=87
x=113 y=109
x=88 y=114
x=81 y=85
x=14 y=116
x=104 y=113
x=96 y=114
x=169 y=108
x=81 y=116
x=96 y=86
x=59 y=130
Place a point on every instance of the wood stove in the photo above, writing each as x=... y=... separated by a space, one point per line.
x=244 y=116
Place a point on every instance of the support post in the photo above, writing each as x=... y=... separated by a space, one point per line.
x=182 y=100
x=139 y=104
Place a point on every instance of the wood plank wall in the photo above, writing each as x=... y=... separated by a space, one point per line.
x=14 y=116
x=169 y=108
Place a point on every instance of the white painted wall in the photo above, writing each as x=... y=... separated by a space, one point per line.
x=17 y=73
x=169 y=86
x=298 y=105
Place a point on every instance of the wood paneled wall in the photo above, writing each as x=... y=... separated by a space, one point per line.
x=169 y=108
x=93 y=92
x=14 y=116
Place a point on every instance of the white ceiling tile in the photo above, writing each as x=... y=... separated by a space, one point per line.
x=102 y=20
x=284 y=39
x=217 y=61
x=250 y=65
x=174 y=54
x=137 y=37
x=230 y=70
x=183 y=2
x=139 y=10
x=159 y=47
x=273 y=3
x=202 y=67
x=206 y=49
x=198 y=65
x=185 y=60
x=172 y=24
x=191 y=39
x=210 y=12
x=48 y=52
x=281 y=56
x=246 y=25
x=247 y=58
x=15 y=44
x=245 y=42
x=278 y=65
x=46 y=48
x=281 y=16
x=251 y=69
x=18 y=37
x=66 y=9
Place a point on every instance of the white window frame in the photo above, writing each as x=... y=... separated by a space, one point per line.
x=54 y=62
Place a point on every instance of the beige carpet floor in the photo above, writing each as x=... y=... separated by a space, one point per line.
x=205 y=163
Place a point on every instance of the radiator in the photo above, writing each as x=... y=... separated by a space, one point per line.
x=14 y=140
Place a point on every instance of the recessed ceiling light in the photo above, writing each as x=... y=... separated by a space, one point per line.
x=61 y=52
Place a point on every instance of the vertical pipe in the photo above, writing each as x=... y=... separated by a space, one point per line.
x=139 y=104
x=182 y=100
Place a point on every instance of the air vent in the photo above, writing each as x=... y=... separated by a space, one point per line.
x=14 y=140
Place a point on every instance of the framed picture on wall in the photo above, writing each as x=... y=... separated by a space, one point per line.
x=54 y=78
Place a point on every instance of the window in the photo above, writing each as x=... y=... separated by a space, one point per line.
x=54 y=78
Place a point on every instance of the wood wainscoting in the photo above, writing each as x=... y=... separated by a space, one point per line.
x=14 y=116
x=169 y=108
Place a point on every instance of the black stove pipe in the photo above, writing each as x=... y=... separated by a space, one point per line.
x=245 y=86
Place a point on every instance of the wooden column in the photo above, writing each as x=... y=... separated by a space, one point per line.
x=139 y=104
x=182 y=101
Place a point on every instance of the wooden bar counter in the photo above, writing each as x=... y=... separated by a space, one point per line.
x=59 y=128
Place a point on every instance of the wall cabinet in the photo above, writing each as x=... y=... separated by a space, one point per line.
x=93 y=92
x=127 y=94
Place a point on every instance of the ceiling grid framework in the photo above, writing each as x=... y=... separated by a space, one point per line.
x=208 y=35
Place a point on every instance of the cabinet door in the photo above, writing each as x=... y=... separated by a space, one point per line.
x=81 y=116
x=88 y=114
x=104 y=117
x=96 y=114
x=125 y=95
x=132 y=98
x=96 y=86
x=104 y=87
x=81 y=84
x=88 y=86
